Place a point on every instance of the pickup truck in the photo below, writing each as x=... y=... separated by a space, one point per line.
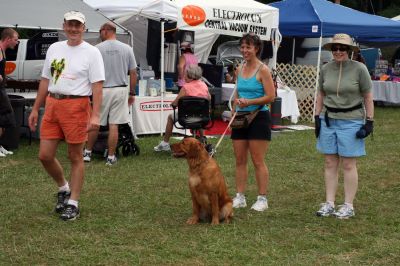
x=25 y=62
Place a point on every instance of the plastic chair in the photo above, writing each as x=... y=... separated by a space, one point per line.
x=195 y=113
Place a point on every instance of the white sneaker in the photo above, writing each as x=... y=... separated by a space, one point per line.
x=344 y=212
x=112 y=161
x=239 y=201
x=4 y=151
x=2 y=154
x=162 y=147
x=325 y=210
x=261 y=204
x=87 y=156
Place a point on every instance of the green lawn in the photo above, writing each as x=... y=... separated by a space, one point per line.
x=134 y=212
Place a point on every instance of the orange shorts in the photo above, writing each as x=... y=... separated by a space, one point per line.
x=66 y=119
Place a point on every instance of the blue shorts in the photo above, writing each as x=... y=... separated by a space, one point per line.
x=340 y=138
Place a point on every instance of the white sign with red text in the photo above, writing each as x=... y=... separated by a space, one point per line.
x=146 y=114
x=233 y=17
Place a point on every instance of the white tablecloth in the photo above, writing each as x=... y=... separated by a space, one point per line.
x=386 y=91
x=289 y=104
x=289 y=101
x=146 y=114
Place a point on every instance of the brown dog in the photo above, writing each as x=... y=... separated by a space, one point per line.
x=210 y=198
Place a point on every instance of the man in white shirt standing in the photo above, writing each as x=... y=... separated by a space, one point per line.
x=73 y=70
x=119 y=60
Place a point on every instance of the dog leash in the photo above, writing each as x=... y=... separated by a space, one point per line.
x=223 y=135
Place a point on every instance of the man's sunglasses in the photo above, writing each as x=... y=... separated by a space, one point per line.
x=340 y=48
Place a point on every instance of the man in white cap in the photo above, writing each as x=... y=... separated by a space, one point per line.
x=73 y=70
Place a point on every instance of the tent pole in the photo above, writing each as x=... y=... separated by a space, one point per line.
x=277 y=38
x=316 y=80
x=162 y=77
x=293 y=49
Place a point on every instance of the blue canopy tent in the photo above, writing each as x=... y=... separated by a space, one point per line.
x=321 y=18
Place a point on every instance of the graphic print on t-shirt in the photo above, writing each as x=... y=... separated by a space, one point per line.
x=57 y=68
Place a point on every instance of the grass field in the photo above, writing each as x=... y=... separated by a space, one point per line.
x=134 y=212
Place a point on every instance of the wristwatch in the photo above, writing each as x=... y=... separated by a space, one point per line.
x=132 y=94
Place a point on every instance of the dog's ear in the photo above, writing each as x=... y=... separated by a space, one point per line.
x=193 y=149
x=200 y=146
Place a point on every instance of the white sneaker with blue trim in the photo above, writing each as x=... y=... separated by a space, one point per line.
x=344 y=212
x=261 y=204
x=239 y=201
x=325 y=210
x=162 y=147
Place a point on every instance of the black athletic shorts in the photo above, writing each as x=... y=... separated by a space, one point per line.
x=260 y=128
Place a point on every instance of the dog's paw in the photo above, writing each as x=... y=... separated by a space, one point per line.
x=215 y=221
x=192 y=220
x=227 y=220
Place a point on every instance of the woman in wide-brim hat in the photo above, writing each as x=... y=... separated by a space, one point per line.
x=344 y=113
x=341 y=39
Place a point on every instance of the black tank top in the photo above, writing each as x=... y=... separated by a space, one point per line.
x=3 y=68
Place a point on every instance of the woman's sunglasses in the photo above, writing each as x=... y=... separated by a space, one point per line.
x=340 y=48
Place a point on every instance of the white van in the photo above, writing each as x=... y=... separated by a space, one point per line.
x=312 y=47
x=25 y=61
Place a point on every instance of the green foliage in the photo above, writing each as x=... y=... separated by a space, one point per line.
x=390 y=12
x=134 y=212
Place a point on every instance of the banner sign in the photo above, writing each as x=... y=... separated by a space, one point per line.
x=155 y=106
x=234 y=21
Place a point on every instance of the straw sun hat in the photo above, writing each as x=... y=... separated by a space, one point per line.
x=342 y=38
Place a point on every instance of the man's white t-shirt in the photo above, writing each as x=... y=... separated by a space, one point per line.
x=72 y=69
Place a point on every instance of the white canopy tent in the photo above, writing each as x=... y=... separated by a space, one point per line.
x=230 y=17
x=134 y=16
x=47 y=14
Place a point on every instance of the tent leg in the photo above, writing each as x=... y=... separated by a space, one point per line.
x=162 y=78
x=293 y=49
x=318 y=68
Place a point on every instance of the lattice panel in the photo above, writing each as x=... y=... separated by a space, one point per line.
x=302 y=80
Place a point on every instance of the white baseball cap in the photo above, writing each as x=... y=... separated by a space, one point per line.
x=75 y=15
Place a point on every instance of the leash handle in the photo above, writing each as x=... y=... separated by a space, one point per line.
x=223 y=135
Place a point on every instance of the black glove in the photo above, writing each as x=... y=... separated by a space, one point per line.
x=366 y=129
x=317 y=122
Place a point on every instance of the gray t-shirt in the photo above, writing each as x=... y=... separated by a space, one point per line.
x=118 y=61
x=355 y=81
